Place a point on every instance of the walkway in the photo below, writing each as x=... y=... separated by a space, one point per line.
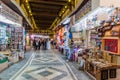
x=13 y=69
x=46 y=66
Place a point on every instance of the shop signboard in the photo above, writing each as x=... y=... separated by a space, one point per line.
x=8 y=13
x=83 y=11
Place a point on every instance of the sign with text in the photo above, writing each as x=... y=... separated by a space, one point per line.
x=83 y=11
x=9 y=13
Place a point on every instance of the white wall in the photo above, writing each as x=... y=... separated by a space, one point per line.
x=95 y=4
x=115 y=3
x=108 y=3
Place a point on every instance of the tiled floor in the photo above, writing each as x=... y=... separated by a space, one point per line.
x=45 y=66
x=13 y=69
x=81 y=75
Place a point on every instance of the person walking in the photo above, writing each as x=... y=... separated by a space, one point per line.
x=39 y=44
x=42 y=43
x=71 y=50
x=54 y=43
x=48 y=44
x=34 y=44
x=45 y=44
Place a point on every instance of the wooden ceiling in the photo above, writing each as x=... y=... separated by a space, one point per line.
x=45 y=11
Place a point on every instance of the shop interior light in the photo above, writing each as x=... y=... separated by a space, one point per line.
x=29 y=11
x=66 y=21
x=63 y=11
x=26 y=1
x=31 y=14
x=28 y=7
x=0 y=6
x=65 y=6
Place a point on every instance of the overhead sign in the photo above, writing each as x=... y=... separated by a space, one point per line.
x=83 y=11
x=9 y=14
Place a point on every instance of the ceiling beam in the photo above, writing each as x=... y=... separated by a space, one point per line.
x=44 y=21
x=43 y=25
x=36 y=5
x=48 y=2
x=44 y=14
x=44 y=10
x=61 y=0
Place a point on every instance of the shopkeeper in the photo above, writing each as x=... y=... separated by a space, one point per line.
x=71 y=49
x=82 y=64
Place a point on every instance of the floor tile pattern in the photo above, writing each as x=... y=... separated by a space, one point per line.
x=9 y=72
x=45 y=66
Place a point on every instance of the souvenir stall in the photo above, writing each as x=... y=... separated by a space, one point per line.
x=60 y=38
x=101 y=64
x=104 y=64
x=67 y=38
x=11 y=34
x=3 y=58
x=79 y=35
x=3 y=62
x=107 y=65
x=79 y=32
x=3 y=36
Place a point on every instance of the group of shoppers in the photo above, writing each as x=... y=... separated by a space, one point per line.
x=42 y=44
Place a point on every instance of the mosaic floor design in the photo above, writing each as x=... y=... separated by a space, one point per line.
x=45 y=66
x=48 y=73
x=55 y=63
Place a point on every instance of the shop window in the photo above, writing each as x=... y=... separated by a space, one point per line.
x=104 y=75
x=112 y=73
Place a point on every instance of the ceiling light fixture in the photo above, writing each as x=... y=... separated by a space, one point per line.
x=28 y=7
x=29 y=11
x=0 y=6
x=31 y=14
x=69 y=0
x=65 y=6
x=26 y=1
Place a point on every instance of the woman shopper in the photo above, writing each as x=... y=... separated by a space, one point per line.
x=71 y=49
x=34 y=44
x=48 y=44
x=39 y=44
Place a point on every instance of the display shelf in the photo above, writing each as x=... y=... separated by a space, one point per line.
x=110 y=52
x=110 y=38
x=102 y=71
x=17 y=36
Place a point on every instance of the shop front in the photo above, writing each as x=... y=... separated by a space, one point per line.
x=63 y=35
x=78 y=33
x=102 y=41
x=11 y=36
